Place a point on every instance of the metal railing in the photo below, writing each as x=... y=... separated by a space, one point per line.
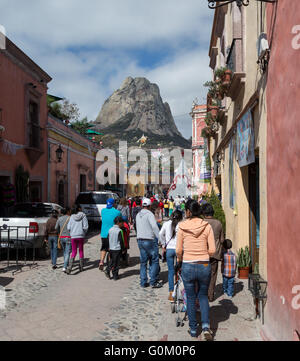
x=17 y=238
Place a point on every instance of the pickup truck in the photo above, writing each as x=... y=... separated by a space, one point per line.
x=26 y=227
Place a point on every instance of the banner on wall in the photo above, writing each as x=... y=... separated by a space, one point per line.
x=205 y=167
x=231 y=173
x=245 y=140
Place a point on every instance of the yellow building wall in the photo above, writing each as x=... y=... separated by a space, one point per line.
x=237 y=220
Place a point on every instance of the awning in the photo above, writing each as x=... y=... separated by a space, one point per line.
x=90 y=131
x=52 y=99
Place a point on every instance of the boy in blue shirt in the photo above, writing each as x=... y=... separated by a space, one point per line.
x=108 y=216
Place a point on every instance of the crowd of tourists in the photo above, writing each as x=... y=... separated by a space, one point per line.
x=191 y=241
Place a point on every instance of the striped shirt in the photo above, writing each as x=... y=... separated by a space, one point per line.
x=229 y=264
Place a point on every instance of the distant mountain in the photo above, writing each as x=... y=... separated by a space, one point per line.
x=136 y=109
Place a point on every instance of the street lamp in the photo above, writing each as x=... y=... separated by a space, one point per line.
x=59 y=153
x=213 y=4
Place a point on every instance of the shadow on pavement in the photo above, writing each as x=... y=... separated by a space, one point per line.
x=129 y=273
x=221 y=313
x=4 y=281
x=133 y=261
x=164 y=276
x=238 y=287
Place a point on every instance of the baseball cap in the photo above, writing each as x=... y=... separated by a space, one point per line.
x=110 y=202
x=146 y=202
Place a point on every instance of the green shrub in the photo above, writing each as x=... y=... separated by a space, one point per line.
x=214 y=200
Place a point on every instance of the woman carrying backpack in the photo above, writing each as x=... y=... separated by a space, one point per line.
x=123 y=207
x=168 y=240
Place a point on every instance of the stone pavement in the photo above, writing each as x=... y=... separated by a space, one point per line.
x=43 y=304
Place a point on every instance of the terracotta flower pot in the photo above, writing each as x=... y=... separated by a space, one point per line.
x=227 y=78
x=209 y=100
x=243 y=273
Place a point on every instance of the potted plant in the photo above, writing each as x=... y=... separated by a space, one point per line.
x=213 y=89
x=243 y=262
x=206 y=132
x=209 y=119
x=220 y=73
x=209 y=99
x=214 y=109
x=227 y=76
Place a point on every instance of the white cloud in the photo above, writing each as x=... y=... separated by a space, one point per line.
x=87 y=47
x=106 y=23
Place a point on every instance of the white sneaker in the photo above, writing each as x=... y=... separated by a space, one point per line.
x=64 y=269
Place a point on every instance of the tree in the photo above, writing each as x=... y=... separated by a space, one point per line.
x=81 y=126
x=65 y=110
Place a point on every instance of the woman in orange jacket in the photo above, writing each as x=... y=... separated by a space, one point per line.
x=196 y=238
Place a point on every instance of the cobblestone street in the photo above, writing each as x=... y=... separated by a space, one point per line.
x=43 y=304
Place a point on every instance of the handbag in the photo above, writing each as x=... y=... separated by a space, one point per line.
x=61 y=231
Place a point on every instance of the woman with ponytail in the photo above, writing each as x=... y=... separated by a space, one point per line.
x=168 y=239
x=195 y=246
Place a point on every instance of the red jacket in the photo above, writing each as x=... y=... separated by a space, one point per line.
x=126 y=233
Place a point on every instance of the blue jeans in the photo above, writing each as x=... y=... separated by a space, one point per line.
x=171 y=256
x=67 y=248
x=149 y=252
x=52 y=240
x=196 y=275
x=228 y=285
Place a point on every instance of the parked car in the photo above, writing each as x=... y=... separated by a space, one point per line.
x=26 y=226
x=92 y=203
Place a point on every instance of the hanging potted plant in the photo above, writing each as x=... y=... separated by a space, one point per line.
x=209 y=99
x=206 y=132
x=243 y=262
x=214 y=109
x=209 y=119
x=220 y=73
x=227 y=76
x=213 y=88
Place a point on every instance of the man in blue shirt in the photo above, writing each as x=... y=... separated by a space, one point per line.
x=108 y=216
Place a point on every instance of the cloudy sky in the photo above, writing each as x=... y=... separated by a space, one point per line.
x=89 y=47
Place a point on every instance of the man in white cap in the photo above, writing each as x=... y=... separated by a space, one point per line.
x=147 y=236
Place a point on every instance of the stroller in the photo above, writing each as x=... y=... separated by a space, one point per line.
x=178 y=305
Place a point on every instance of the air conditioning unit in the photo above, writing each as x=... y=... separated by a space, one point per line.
x=262 y=45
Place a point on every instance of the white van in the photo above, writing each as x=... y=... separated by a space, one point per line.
x=92 y=203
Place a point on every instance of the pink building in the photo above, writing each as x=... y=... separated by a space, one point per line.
x=198 y=145
x=23 y=120
x=76 y=171
x=29 y=137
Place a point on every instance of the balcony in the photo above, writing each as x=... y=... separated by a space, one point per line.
x=35 y=145
x=235 y=64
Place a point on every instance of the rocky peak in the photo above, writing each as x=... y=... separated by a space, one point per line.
x=142 y=99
